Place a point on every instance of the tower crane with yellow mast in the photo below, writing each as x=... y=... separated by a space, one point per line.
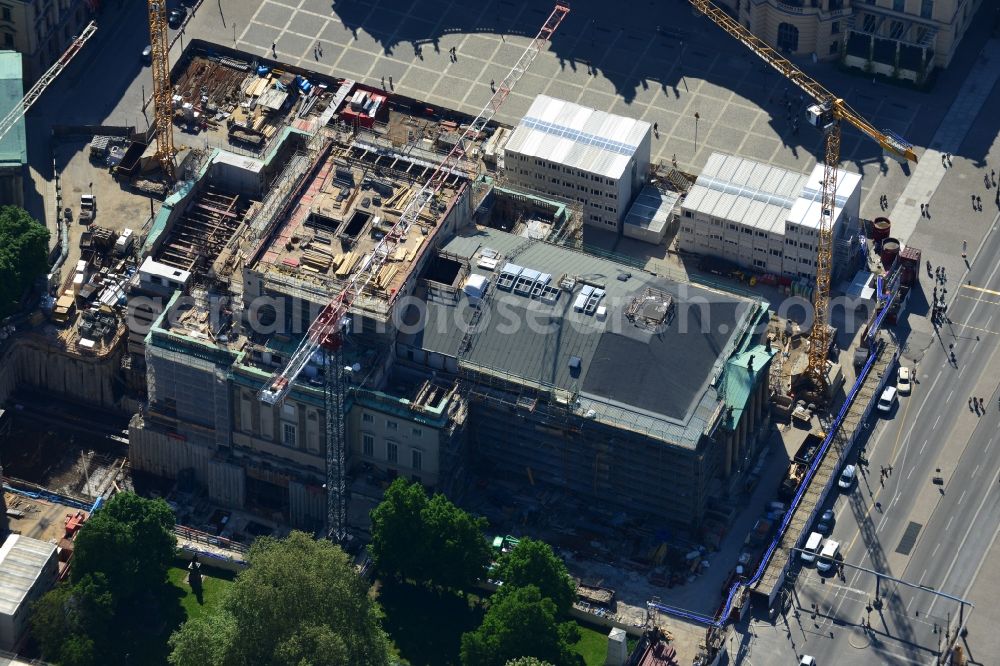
x=826 y=114
x=162 y=107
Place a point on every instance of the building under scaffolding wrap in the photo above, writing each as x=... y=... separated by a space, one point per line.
x=481 y=341
x=613 y=384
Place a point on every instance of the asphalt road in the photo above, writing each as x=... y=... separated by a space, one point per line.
x=932 y=433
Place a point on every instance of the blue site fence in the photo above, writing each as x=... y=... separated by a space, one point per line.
x=734 y=590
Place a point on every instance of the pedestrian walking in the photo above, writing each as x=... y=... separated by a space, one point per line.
x=889 y=470
x=965 y=247
x=921 y=210
x=979 y=202
x=656 y=127
x=274 y=47
x=993 y=177
x=982 y=405
x=383 y=83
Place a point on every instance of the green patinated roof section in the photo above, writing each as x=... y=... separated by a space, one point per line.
x=739 y=380
x=13 y=147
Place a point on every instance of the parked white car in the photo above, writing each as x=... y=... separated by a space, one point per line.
x=887 y=400
x=904 y=382
x=847 y=477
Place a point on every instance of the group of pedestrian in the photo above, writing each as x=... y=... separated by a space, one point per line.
x=391 y=87
x=925 y=210
x=885 y=473
x=453 y=54
x=978 y=405
x=883 y=201
x=977 y=203
x=989 y=180
x=318 y=51
x=946 y=159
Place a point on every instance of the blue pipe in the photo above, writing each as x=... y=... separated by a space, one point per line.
x=721 y=620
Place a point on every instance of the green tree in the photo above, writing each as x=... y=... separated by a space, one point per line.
x=300 y=603
x=458 y=543
x=71 y=622
x=527 y=661
x=521 y=623
x=131 y=542
x=427 y=540
x=532 y=562
x=399 y=542
x=24 y=249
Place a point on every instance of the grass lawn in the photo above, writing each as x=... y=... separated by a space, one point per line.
x=152 y=619
x=593 y=644
x=213 y=582
x=426 y=626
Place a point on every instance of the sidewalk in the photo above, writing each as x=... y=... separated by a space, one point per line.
x=927 y=175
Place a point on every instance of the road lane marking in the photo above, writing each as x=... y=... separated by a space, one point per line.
x=976 y=328
x=962 y=496
x=952 y=392
x=923 y=445
x=981 y=289
x=988 y=446
x=893 y=460
x=936 y=546
x=946 y=527
x=958 y=548
x=975 y=471
x=910 y=473
x=936 y=421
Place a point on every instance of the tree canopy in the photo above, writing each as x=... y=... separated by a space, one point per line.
x=24 y=250
x=521 y=623
x=429 y=540
x=299 y=602
x=72 y=621
x=532 y=562
x=119 y=573
x=527 y=661
x=130 y=540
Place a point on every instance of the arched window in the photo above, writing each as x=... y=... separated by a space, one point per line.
x=788 y=37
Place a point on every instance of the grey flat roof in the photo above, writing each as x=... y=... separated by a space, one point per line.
x=746 y=191
x=652 y=209
x=657 y=381
x=22 y=560
x=577 y=136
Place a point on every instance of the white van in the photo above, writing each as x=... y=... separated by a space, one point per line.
x=808 y=553
x=827 y=556
x=887 y=399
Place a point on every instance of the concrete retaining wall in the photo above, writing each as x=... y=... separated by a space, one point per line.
x=30 y=361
